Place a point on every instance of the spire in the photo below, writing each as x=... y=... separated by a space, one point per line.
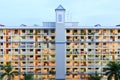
x=60 y=8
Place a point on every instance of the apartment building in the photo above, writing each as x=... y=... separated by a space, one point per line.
x=59 y=50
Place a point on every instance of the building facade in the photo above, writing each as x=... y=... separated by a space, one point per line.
x=59 y=50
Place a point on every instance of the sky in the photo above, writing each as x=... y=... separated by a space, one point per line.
x=86 y=12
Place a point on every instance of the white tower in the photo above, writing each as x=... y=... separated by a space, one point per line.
x=60 y=14
x=60 y=43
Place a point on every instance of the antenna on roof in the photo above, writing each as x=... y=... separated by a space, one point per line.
x=71 y=17
x=68 y=16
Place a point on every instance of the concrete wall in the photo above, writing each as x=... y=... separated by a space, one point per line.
x=60 y=51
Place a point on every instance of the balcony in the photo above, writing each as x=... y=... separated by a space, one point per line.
x=22 y=46
x=15 y=58
x=52 y=64
x=30 y=71
x=1 y=33
x=30 y=52
x=30 y=64
x=52 y=46
x=1 y=40
x=30 y=40
x=23 y=58
x=1 y=59
x=38 y=72
x=38 y=58
x=69 y=52
x=39 y=52
x=69 y=64
x=1 y=52
x=39 y=64
x=69 y=76
x=90 y=58
x=30 y=46
x=23 y=65
x=75 y=64
x=15 y=65
x=68 y=58
x=68 y=71
x=23 y=52
x=23 y=40
x=30 y=58
x=76 y=58
x=44 y=71
x=75 y=52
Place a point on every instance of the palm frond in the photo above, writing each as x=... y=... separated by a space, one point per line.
x=3 y=75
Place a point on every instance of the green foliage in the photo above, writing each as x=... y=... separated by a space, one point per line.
x=28 y=76
x=95 y=77
x=8 y=74
x=112 y=70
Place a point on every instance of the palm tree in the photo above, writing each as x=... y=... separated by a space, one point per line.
x=112 y=70
x=28 y=76
x=95 y=77
x=8 y=74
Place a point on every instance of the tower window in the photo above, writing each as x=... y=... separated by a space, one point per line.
x=60 y=18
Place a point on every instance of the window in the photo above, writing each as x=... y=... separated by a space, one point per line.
x=104 y=43
x=31 y=56
x=89 y=37
x=118 y=37
x=82 y=43
x=97 y=43
x=97 y=37
x=16 y=50
x=1 y=37
x=89 y=31
x=82 y=49
x=16 y=62
x=1 y=43
x=31 y=31
x=59 y=18
x=68 y=31
x=89 y=43
x=53 y=37
x=97 y=30
x=45 y=31
x=1 y=49
x=31 y=37
x=68 y=62
x=38 y=50
x=82 y=37
x=23 y=50
x=23 y=31
x=52 y=31
x=118 y=31
x=75 y=31
x=89 y=49
x=68 y=56
x=31 y=49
